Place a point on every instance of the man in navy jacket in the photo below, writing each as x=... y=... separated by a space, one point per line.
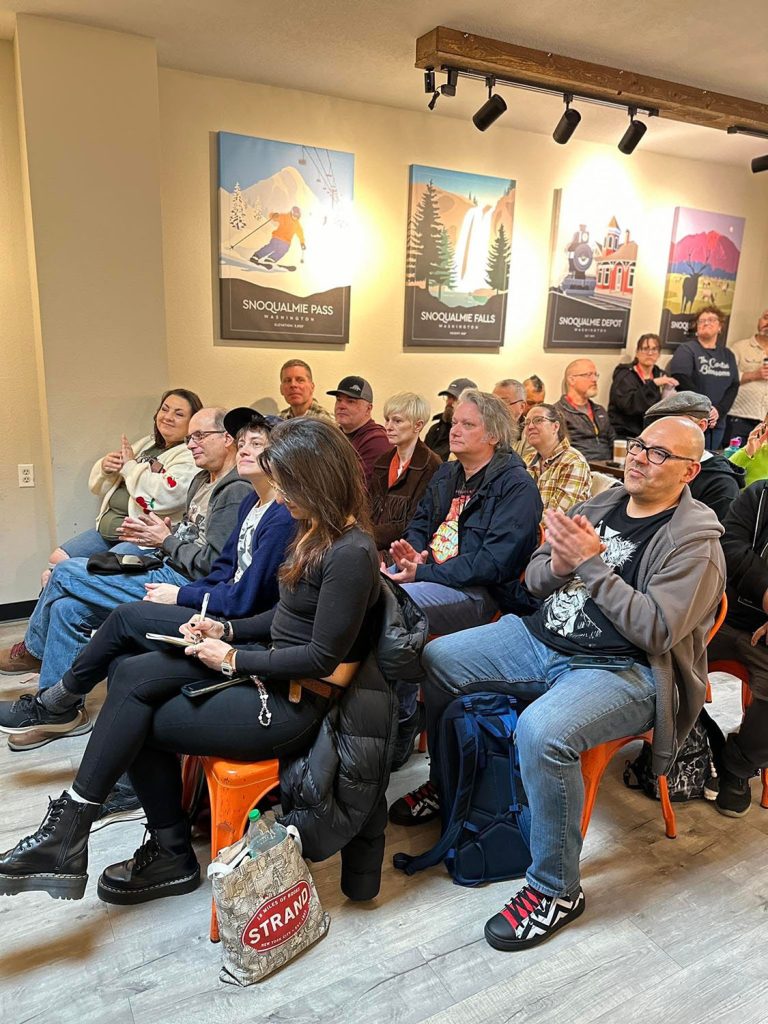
x=471 y=538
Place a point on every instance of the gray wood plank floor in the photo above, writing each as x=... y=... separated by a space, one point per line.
x=673 y=931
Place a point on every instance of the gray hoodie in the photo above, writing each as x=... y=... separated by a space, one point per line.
x=192 y=558
x=680 y=581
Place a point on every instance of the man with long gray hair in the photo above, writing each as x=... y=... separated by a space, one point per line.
x=474 y=530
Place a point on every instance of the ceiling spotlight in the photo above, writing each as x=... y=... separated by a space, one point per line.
x=568 y=123
x=449 y=89
x=429 y=80
x=633 y=134
x=433 y=101
x=760 y=163
x=491 y=110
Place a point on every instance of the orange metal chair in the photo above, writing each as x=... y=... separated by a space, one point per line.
x=595 y=761
x=233 y=787
x=740 y=670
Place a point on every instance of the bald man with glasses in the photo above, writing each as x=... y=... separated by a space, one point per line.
x=630 y=582
x=587 y=422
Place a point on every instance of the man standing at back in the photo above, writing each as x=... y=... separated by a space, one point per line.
x=630 y=582
x=352 y=411
x=297 y=387
x=588 y=425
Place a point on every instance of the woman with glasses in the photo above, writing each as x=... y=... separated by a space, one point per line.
x=561 y=473
x=292 y=660
x=708 y=368
x=636 y=386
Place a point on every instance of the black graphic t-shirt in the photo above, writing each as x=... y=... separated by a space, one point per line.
x=445 y=540
x=569 y=621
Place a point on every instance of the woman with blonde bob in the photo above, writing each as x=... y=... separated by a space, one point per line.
x=401 y=474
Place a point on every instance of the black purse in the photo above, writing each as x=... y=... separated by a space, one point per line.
x=109 y=563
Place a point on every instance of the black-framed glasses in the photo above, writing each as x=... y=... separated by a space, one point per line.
x=198 y=435
x=657 y=456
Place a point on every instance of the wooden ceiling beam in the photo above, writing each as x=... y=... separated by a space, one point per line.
x=453 y=48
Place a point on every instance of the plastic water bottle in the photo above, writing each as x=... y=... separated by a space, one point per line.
x=263 y=834
x=736 y=443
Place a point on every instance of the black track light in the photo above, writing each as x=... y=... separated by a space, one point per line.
x=491 y=110
x=433 y=101
x=568 y=123
x=760 y=163
x=635 y=131
x=449 y=89
x=429 y=80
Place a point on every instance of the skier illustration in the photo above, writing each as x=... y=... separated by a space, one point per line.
x=288 y=228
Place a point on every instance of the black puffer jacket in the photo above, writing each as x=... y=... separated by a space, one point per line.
x=329 y=791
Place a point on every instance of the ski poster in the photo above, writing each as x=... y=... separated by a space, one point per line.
x=285 y=241
x=592 y=270
x=703 y=260
x=457 y=258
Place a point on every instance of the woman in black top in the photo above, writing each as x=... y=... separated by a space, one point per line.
x=329 y=583
x=636 y=386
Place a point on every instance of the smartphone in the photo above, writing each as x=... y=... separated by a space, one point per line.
x=611 y=662
x=177 y=641
x=201 y=687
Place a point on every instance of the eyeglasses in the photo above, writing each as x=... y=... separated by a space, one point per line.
x=536 y=420
x=657 y=456
x=199 y=435
x=708 y=320
x=590 y=373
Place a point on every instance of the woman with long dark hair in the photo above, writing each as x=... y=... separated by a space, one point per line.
x=329 y=585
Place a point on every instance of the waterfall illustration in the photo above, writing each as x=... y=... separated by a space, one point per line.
x=472 y=249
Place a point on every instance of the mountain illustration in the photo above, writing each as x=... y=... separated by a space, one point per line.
x=710 y=247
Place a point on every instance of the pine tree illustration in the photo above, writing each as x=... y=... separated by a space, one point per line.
x=426 y=235
x=497 y=271
x=445 y=273
x=239 y=210
x=412 y=251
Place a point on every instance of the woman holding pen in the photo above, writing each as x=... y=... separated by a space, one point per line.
x=321 y=628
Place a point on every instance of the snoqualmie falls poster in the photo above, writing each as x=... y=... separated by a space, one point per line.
x=285 y=240
x=457 y=258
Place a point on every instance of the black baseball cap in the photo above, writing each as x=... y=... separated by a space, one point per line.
x=455 y=388
x=243 y=416
x=354 y=387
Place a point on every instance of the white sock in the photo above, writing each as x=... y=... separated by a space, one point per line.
x=77 y=798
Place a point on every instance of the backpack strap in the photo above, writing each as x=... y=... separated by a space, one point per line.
x=466 y=731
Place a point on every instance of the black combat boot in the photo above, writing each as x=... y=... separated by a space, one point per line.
x=164 y=865
x=55 y=858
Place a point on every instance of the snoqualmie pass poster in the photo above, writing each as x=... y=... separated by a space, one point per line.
x=457 y=258
x=285 y=246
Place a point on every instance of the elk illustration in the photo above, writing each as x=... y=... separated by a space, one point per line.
x=691 y=282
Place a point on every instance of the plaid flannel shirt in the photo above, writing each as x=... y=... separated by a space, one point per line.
x=564 y=478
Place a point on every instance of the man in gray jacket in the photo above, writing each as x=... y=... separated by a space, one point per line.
x=630 y=581
x=74 y=601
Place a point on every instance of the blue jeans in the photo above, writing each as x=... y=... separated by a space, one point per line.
x=85 y=544
x=574 y=709
x=448 y=610
x=74 y=602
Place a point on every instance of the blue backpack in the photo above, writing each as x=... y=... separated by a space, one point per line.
x=486 y=828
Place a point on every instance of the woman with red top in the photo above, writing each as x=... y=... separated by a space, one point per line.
x=636 y=386
x=401 y=474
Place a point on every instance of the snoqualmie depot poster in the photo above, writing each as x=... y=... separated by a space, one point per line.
x=457 y=258
x=284 y=240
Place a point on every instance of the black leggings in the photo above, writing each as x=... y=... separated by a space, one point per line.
x=145 y=722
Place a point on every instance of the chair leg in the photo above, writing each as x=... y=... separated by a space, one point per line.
x=668 y=812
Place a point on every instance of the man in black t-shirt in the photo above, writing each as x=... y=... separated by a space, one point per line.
x=630 y=582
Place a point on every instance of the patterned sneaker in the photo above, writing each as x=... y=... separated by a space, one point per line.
x=417 y=807
x=17 y=659
x=530 y=917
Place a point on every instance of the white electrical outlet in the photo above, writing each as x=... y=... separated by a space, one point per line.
x=26 y=476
